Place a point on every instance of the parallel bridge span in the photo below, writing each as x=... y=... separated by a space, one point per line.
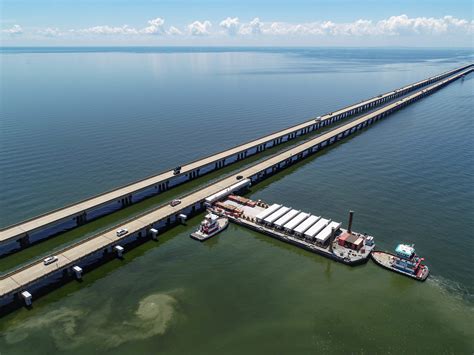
x=23 y=234
x=36 y=276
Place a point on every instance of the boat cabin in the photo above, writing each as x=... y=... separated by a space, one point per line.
x=350 y=241
x=405 y=251
x=209 y=224
x=210 y=218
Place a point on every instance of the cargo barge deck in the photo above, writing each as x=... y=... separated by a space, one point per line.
x=338 y=253
x=318 y=235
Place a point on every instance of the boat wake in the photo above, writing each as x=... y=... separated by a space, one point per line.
x=452 y=288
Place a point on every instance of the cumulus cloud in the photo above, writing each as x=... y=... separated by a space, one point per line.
x=173 y=31
x=198 y=28
x=155 y=27
x=230 y=25
x=402 y=25
x=393 y=26
x=254 y=27
x=107 y=30
x=15 y=30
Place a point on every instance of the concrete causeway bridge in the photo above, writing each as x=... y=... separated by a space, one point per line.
x=31 y=231
x=18 y=287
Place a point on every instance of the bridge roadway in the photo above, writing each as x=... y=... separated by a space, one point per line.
x=20 y=235
x=33 y=273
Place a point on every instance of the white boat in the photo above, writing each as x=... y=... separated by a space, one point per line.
x=210 y=226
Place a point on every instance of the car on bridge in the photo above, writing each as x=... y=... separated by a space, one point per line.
x=175 y=202
x=50 y=260
x=121 y=231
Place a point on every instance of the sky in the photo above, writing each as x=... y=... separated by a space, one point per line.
x=406 y=23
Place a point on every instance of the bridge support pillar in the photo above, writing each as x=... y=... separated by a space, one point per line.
x=81 y=219
x=154 y=233
x=182 y=218
x=126 y=201
x=119 y=251
x=77 y=272
x=27 y=298
x=24 y=241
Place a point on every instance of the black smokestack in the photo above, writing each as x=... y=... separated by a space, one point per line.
x=351 y=216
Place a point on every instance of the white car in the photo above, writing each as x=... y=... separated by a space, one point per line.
x=50 y=260
x=121 y=231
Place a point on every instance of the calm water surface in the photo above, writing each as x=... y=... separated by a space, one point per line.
x=75 y=122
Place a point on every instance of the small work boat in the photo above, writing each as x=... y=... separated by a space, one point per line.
x=210 y=226
x=404 y=261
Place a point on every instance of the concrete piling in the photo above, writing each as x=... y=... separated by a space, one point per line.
x=77 y=272
x=154 y=234
x=27 y=297
x=119 y=251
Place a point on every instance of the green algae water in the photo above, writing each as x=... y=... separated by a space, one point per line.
x=408 y=178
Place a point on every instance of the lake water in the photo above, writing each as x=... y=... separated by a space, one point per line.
x=76 y=122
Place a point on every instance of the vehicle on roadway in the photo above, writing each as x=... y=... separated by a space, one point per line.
x=177 y=170
x=50 y=260
x=175 y=202
x=121 y=231
x=239 y=177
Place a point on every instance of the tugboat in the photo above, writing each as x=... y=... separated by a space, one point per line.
x=210 y=226
x=404 y=261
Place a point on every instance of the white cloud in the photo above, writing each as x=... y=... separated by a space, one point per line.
x=254 y=27
x=173 y=31
x=393 y=26
x=403 y=25
x=198 y=28
x=155 y=28
x=107 y=30
x=15 y=30
x=230 y=25
x=50 y=32
x=399 y=26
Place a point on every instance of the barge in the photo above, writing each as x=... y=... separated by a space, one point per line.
x=304 y=230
